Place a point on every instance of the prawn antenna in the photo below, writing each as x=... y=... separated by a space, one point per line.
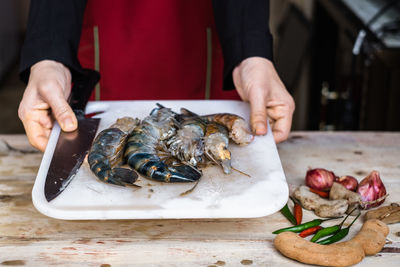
x=219 y=164
x=239 y=171
x=190 y=190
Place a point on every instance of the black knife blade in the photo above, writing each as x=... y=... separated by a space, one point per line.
x=72 y=147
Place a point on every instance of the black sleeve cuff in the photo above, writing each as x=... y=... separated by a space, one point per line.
x=243 y=30
x=59 y=50
x=235 y=50
x=53 y=33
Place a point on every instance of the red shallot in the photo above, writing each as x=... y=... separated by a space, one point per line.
x=372 y=191
x=320 y=179
x=348 y=181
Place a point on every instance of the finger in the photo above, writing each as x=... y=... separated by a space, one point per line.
x=281 y=127
x=271 y=122
x=60 y=108
x=38 y=136
x=43 y=139
x=46 y=122
x=237 y=81
x=41 y=106
x=258 y=113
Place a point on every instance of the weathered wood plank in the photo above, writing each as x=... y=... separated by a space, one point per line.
x=30 y=238
x=20 y=160
x=109 y=252
x=145 y=253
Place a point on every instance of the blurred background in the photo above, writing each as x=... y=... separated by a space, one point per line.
x=340 y=59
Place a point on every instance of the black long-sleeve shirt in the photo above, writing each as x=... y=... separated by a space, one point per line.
x=54 y=29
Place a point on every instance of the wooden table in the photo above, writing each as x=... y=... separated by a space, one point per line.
x=30 y=238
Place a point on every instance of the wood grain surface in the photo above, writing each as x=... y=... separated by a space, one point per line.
x=29 y=238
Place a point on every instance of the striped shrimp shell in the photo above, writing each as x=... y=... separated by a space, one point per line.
x=106 y=153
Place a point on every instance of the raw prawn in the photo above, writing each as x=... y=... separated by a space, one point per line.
x=188 y=145
x=106 y=152
x=216 y=141
x=144 y=146
x=216 y=146
x=239 y=130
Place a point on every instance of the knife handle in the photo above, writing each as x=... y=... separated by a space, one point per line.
x=82 y=89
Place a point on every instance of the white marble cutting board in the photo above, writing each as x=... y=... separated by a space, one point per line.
x=216 y=196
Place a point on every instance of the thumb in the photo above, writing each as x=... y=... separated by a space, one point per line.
x=61 y=110
x=64 y=115
x=258 y=113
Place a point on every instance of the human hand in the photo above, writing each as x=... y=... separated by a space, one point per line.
x=48 y=88
x=257 y=82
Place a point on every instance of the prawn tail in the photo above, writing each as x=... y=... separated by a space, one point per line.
x=101 y=167
x=122 y=176
x=151 y=166
x=191 y=174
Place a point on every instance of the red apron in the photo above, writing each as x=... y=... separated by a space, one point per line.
x=153 y=49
